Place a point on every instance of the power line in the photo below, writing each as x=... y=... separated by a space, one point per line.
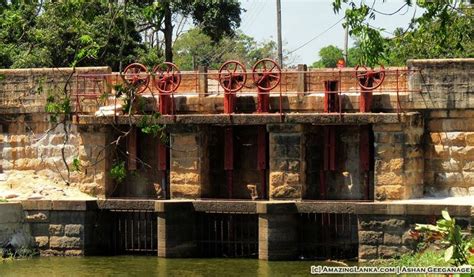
x=315 y=37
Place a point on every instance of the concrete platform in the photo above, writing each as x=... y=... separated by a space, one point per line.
x=261 y=119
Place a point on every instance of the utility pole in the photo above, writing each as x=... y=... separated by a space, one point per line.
x=346 y=42
x=280 y=49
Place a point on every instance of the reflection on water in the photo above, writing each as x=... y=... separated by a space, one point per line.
x=151 y=266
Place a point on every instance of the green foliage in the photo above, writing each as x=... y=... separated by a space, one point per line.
x=76 y=164
x=457 y=248
x=118 y=172
x=2 y=200
x=195 y=48
x=444 y=30
x=148 y=125
x=423 y=259
x=329 y=57
x=65 y=33
x=56 y=107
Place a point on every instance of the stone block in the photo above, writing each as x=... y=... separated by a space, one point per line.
x=440 y=151
x=449 y=165
x=285 y=192
x=470 y=138
x=391 y=239
x=448 y=178
x=392 y=165
x=390 y=252
x=458 y=191
x=471 y=191
x=370 y=237
x=468 y=166
x=367 y=252
x=42 y=241
x=73 y=253
x=73 y=230
x=65 y=242
x=185 y=191
x=184 y=177
x=56 y=229
x=387 y=127
x=388 y=179
x=394 y=192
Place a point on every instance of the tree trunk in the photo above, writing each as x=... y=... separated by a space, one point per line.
x=168 y=32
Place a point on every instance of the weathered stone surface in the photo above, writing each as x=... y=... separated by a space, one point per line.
x=387 y=252
x=73 y=230
x=388 y=179
x=42 y=241
x=65 y=242
x=370 y=237
x=391 y=238
x=367 y=252
x=56 y=229
x=458 y=191
x=73 y=253
x=389 y=192
x=186 y=191
x=285 y=192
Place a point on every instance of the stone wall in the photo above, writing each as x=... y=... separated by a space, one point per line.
x=66 y=228
x=287 y=176
x=189 y=166
x=449 y=153
x=399 y=162
x=32 y=145
x=384 y=229
x=12 y=224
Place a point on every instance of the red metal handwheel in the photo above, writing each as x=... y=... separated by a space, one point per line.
x=232 y=76
x=266 y=74
x=370 y=79
x=167 y=77
x=137 y=75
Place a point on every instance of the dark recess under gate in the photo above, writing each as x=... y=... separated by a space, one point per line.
x=227 y=235
x=134 y=232
x=327 y=236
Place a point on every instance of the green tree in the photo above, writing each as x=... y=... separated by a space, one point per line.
x=329 y=56
x=52 y=33
x=195 y=48
x=443 y=30
x=215 y=18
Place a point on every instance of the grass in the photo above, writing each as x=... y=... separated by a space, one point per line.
x=423 y=259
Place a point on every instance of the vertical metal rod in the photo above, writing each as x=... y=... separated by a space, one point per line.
x=280 y=46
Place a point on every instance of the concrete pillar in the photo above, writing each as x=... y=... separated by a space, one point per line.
x=202 y=81
x=301 y=80
x=95 y=151
x=277 y=231
x=399 y=163
x=176 y=236
x=189 y=162
x=287 y=161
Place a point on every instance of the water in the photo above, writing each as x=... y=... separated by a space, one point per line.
x=151 y=266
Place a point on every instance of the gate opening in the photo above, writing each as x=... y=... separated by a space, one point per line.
x=144 y=178
x=227 y=235
x=327 y=236
x=134 y=232
x=247 y=165
x=340 y=163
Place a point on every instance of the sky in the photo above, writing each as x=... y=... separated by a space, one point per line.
x=304 y=20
